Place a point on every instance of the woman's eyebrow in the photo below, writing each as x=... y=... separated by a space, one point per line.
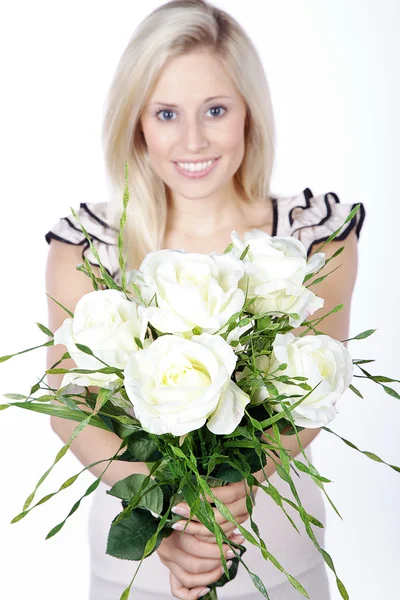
x=176 y=105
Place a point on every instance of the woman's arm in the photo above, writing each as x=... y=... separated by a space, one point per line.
x=336 y=289
x=67 y=285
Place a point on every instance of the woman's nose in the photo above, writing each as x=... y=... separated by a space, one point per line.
x=194 y=136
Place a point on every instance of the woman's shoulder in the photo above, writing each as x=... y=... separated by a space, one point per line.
x=94 y=219
x=312 y=219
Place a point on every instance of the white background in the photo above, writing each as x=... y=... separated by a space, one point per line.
x=334 y=77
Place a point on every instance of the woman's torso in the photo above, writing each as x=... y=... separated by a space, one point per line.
x=295 y=552
x=311 y=219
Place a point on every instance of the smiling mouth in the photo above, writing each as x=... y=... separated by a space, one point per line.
x=192 y=169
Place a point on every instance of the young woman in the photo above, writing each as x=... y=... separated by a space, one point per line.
x=190 y=110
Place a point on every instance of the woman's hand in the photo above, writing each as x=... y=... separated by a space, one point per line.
x=233 y=495
x=193 y=564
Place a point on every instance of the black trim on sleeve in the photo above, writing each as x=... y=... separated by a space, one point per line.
x=91 y=235
x=274 y=216
x=349 y=228
x=306 y=193
x=85 y=207
x=52 y=236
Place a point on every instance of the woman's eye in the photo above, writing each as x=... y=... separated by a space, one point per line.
x=170 y=112
x=165 y=110
x=218 y=108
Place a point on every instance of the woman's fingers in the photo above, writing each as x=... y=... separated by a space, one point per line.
x=231 y=492
x=201 y=549
x=180 y=591
x=186 y=579
x=198 y=529
x=193 y=580
x=195 y=565
x=236 y=508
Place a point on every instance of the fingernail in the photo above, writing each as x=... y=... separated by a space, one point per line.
x=178 y=510
x=228 y=564
x=179 y=525
x=239 y=539
x=230 y=554
x=204 y=592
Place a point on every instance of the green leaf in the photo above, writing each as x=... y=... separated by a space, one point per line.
x=139 y=343
x=93 y=486
x=294 y=316
x=302 y=467
x=48 y=398
x=362 y=361
x=363 y=335
x=391 y=392
x=225 y=512
x=62 y=412
x=14 y=396
x=356 y=391
x=126 y=488
x=228 y=248
x=84 y=349
x=137 y=291
x=370 y=455
x=383 y=379
x=122 y=223
x=45 y=329
x=35 y=388
x=61 y=306
x=143 y=447
x=323 y=277
x=75 y=507
x=127 y=540
x=231 y=474
x=245 y=251
x=91 y=274
x=8 y=356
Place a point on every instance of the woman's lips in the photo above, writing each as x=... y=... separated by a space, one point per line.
x=197 y=174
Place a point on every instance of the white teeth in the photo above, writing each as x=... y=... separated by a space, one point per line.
x=195 y=166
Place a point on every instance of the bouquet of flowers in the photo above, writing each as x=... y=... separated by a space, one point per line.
x=201 y=378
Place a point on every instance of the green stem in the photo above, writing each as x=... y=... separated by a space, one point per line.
x=203 y=450
x=212 y=595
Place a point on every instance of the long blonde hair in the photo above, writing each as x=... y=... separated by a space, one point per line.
x=173 y=29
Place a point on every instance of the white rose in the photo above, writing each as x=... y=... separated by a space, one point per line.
x=283 y=296
x=192 y=290
x=275 y=268
x=177 y=385
x=320 y=358
x=107 y=323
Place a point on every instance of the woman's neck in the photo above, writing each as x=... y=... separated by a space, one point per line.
x=199 y=226
x=205 y=217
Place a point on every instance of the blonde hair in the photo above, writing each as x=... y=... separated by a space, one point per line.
x=173 y=29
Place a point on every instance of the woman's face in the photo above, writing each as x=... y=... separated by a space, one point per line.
x=181 y=124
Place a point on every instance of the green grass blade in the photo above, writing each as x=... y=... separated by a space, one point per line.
x=370 y=455
x=89 y=491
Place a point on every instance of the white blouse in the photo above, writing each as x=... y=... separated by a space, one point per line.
x=311 y=219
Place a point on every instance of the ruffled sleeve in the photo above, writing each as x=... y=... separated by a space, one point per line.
x=102 y=235
x=312 y=219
